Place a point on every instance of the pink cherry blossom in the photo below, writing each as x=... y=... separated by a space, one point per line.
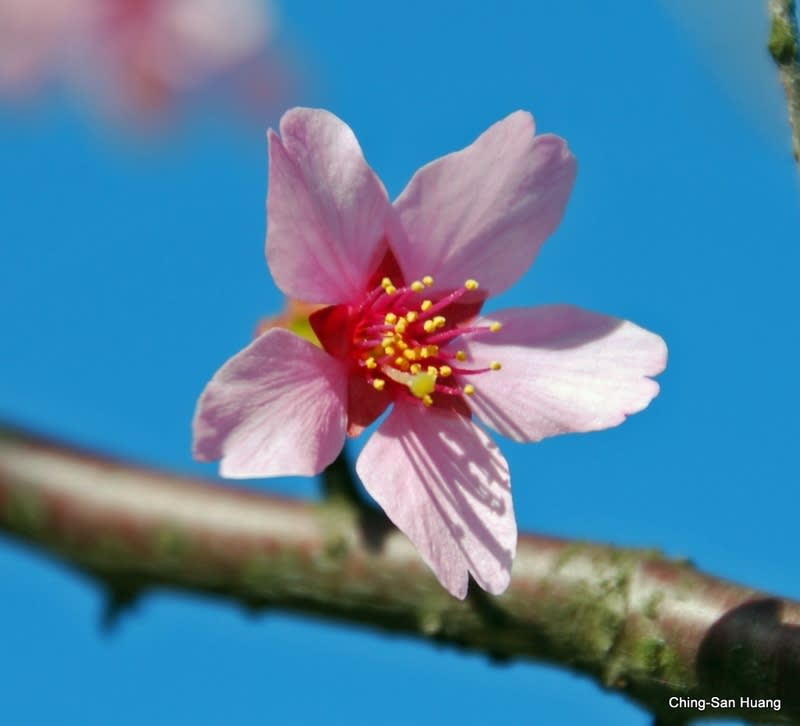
x=36 y=37
x=138 y=55
x=403 y=285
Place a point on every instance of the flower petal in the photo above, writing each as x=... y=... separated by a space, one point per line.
x=485 y=211
x=444 y=483
x=275 y=408
x=564 y=369
x=327 y=211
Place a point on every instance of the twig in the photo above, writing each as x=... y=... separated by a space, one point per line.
x=640 y=624
x=784 y=46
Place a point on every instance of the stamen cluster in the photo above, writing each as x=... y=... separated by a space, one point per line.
x=401 y=341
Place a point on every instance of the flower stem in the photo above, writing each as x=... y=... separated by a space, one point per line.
x=339 y=484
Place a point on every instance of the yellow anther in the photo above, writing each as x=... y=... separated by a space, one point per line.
x=428 y=280
x=425 y=352
x=426 y=305
x=433 y=370
x=495 y=365
x=471 y=284
x=494 y=327
x=400 y=326
x=427 y=400
x=371 y=363
x=422 y=384
x=439 y=321
x=445 y=371
x=415 y=368
x=401 y=362
x=387 y=341
x=389 y=350
x=390 y=318
x=378 y=384
x=469 y=389
x=410 y=353
x=390 y=289
x=417 y=286
x=429 y=326
x=401 y=344
x=412 y=316
x=461 y=355
x=386 y=282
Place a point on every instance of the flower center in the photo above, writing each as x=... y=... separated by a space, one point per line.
x=402 y=342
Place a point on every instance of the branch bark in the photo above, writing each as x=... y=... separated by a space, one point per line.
x=784 y=47
x=639 y=624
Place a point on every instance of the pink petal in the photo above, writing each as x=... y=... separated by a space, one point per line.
x=444 y=483
x=327 y=211
x=275 y=408
x=564 y=369
x=205 y=36
x=484 y=212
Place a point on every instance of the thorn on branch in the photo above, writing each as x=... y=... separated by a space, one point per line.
x=254 y=608
x=119 y=598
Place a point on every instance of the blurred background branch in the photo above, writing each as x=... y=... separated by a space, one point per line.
x=643 y=625
x=784 y=47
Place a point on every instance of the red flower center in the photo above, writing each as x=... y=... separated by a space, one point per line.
x=402 y=340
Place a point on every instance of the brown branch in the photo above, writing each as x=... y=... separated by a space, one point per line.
x=784 y=47
x=634 y=621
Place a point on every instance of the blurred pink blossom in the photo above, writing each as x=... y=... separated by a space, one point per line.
x=404 y=285
x=135 y=56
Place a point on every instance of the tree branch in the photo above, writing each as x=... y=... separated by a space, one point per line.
x=637 y=623
x=784 y=47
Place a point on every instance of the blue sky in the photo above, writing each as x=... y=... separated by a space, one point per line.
x=130 y=269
